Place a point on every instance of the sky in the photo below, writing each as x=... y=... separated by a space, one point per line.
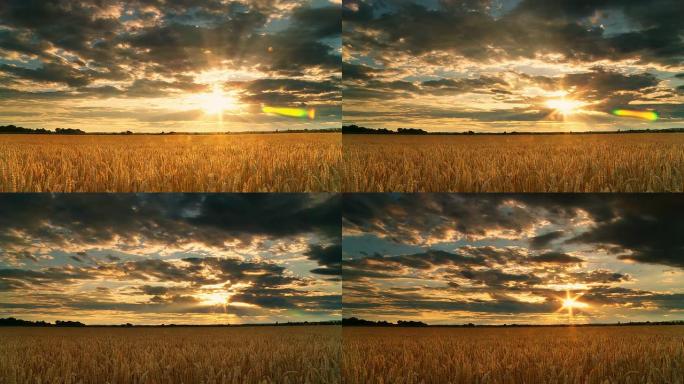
x=512 y=65
x=169 y=65
x=170 y=258
x=504 y=259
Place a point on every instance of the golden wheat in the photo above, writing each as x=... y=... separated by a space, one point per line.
x=521 y=355
x=175 y=355
x=194 y=163
x=556 y=163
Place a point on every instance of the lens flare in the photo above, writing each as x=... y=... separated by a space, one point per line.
x=290 y=112
x=646 y=115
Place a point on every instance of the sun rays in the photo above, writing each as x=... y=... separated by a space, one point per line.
x=571 y=304
x=217 y=101
x=565 y=107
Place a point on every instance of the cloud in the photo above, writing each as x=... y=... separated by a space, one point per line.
x=174 y=116
x=418 y=219
x=290 y=91
x=58 y=53
x=405 y=61
x=329 y=258
x=212 y=219
x=644 y=228
x=451 y=257
x=556 y=257
x=542 y=241
x=172 y=253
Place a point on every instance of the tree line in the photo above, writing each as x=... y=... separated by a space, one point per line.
x=358 y=130
x=39 y=131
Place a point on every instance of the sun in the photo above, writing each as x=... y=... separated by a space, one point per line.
x=215 y=298
x=571 y=303
x=217 y=101
x=564 y=106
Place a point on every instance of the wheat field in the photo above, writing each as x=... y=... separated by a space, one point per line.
x=584 y=355
x=306 y=162
x=171 y=355
x=522 y=163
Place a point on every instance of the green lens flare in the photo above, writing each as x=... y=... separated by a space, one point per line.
x=646 y=115
x=290 y=112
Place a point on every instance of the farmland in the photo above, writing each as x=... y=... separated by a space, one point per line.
x=514 y=163
x=171 y=355
x=645 y=354
x=296 y=162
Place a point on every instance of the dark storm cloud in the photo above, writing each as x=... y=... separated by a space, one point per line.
x=357 y=71
x=11 y=285
x=634 y=298
x=380 y=90
x=275 y=215
x=467 y=29
x=371 y=88
x=165 y=219
x=75 y=43
x=451 y=86
x=379 y=266
x=646 y=228
x=268 y=282
x=46 y=275
x=50 y=73
x=601 y=276
x=288 y=299
x=419 y=302
x=329 y=258
x=641 y=228
x=460 y=263
x=497 y=278
x=556 y=257
x=150 y=88
x=288 y=91
x=21 y=42
x=412 y=218
x=490 y=57
x=542 y=241
x=177 y=305
x=569 y=236
x=299 y=46
x=67 y=24
x=194 y=271
x=154 y=290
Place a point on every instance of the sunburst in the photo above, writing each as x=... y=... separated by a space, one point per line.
x=217 y=101
x=565 y=107
x=570 y=303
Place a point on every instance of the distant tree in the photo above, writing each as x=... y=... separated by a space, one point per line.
x=68 y=323
x=355 y=129
x=411 y=131
x=14 y=129
x=69 y=131
x=411 y=323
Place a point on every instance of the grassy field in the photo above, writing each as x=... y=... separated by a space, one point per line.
x=176 y=355
x=307 y=162
x=522 y=355
x=524 y=163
